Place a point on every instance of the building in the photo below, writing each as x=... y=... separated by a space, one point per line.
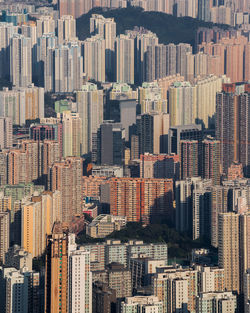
x=124 y=58
x=216 y=302
x=6 y=133
x=72 y=129
x=190 y=212
x=56 y=289
x=66 y=176
x=141 y=199
x=141 y=303
x=211 y=167
x=105 y=224
x=4 y=234
x=89 y=101
x=18 y=258
x=104 y=298
x=106 y=28
x=118 y=279
x=66 y=29
x=229 y=250
x=94 y=58
x=189 y=158
x=159 y=166
x=152 y=129
x=37 y=218
x=110 y=143
x=19 y=290
x=231 y=125
x=79 y=281
x=7 y=32
x=187 y=132
x=20 y=61
x=67 y=64
x=21 y=104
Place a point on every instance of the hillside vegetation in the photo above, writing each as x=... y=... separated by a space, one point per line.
x=168 y=28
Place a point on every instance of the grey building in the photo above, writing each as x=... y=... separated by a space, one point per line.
x=110 y=143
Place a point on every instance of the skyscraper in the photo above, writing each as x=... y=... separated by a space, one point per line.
x=67 y=64
x=7 y=30
x=232 y=120
x=229 y=257
x=189 y=158
x=152 y=129
x=211 y=167
x=110 y=143
x=124 y=55
x=94 y=58
x=20 y=61
x=66 y=176
x=68 y=280
x=4 y=234
x=66 y=29
x=106 y=28
x=90 y=108
x=6 y=133
x=72 y=130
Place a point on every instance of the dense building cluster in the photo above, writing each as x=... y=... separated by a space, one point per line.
x=119 y=131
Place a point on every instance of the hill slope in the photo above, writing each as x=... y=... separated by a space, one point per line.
x=167 y=27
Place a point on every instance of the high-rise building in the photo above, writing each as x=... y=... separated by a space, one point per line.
x=151 y=98
x=141 y=303
x=104 y=298
x=232 y=119
x=178 y=133
x=110 y=143
x=7 y=30
x=6 y=133
x=66 y=29
x=22 y=104
x=45 y=24
x=72 y=130
x=94 y=58
x=67 y=64
x=159 y=166
x=56 y=271
x=20 y=61
x=38 y=217
x=68 y=280
x=124 y=58
x=44 y=42
x=211 y=167
x=79 y=281
x=19 y=290
x=106 y=28
x=229 y=252
x=66 y=176
x=4 y=234
x=193 y=206
x=141 y=199
x=155 y=62
x=224 y=301
x=189 y=158
x=90 y=108
x=152 y=129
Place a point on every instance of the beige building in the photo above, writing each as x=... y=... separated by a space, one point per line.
x=6 y=133
x=228 y=244
x=105 y=224
x=4 y=234
x=72 y=129
x=124 y=54
x=37 y=218
x=90 y=108
x=66 y=29
x=66 y=176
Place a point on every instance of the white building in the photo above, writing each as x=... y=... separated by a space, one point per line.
x=80 y=282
